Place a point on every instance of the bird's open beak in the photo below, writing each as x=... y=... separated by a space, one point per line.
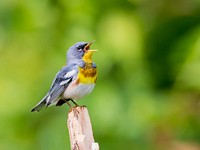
x=88 y=52
x=87 y=47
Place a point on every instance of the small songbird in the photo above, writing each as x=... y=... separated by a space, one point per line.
x=76 y=79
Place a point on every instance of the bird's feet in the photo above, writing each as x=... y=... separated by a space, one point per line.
x=71 y=107
x=74 y=103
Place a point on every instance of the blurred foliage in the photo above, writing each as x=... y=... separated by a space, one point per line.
x=148 y=90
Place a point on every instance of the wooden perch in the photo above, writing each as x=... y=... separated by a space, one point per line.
x=80 y=129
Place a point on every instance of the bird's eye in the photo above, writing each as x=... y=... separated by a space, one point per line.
x=80 y=48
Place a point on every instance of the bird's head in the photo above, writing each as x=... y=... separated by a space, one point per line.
x=80 y=50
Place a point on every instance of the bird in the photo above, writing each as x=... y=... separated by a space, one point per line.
x=75 y=80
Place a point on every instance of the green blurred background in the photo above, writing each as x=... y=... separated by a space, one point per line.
x=148 y=90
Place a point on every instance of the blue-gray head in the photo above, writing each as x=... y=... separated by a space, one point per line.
x=78 y=51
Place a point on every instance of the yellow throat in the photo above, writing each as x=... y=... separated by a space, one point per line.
x=88 y=74
x=88 y=56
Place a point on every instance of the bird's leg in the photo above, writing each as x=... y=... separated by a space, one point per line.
x=67 y=101
x=74 y=103
x=72 y=108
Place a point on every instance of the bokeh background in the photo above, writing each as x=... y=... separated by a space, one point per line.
x=148 y=90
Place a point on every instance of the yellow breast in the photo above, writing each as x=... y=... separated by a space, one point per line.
x=87 y=75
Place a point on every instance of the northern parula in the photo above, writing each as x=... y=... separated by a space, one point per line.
x=76 y=79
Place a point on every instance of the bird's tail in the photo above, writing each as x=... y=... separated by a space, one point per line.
x=40 y=105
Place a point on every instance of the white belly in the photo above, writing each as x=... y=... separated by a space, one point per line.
x=77 y=92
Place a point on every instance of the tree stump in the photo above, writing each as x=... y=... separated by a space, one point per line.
x=80 y=129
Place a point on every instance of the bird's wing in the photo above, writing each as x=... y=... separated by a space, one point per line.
x=63 y=78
